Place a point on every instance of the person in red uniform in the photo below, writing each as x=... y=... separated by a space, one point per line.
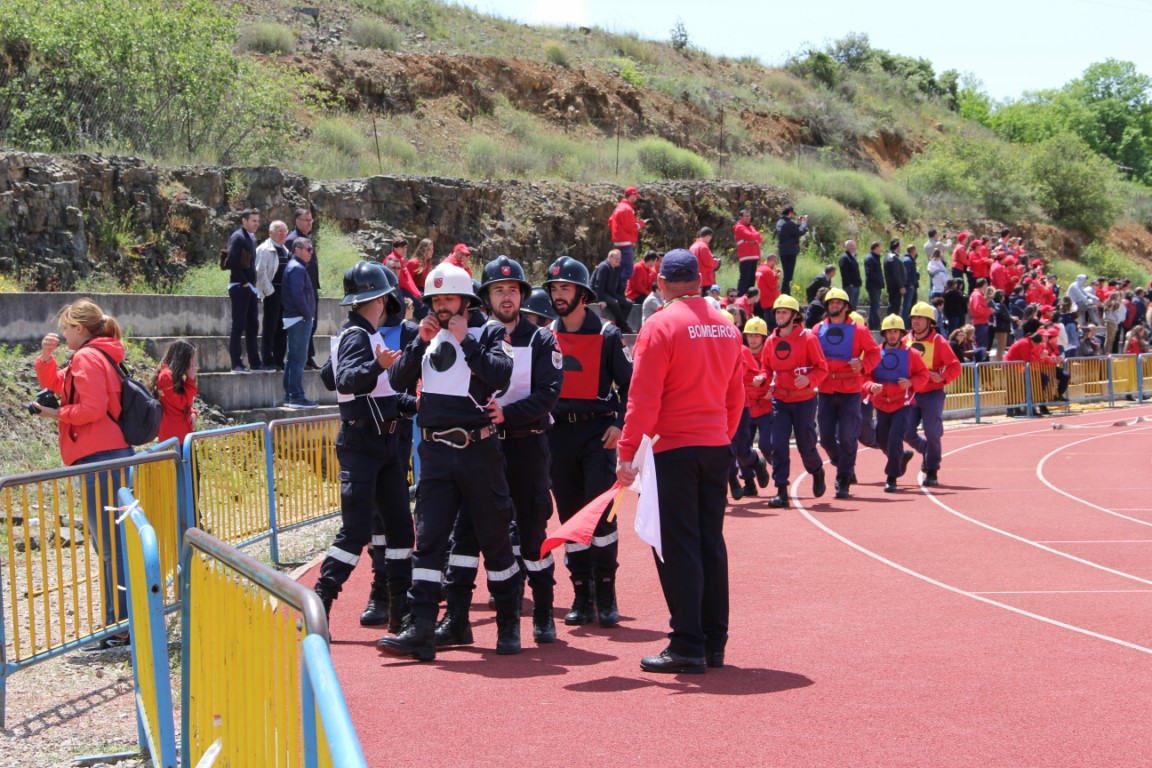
x=928 y=409
x=1050 y=362
x=851 y=352
x=1025 y=350
x=696 y=418
x=794 y=356
x=749 y=465
x=748 y=241
x=768 y=281
x=175 y=388
x=981 y=313
x=625 y=229
x=459 y=257
x=960 y=258
x=890 y=387
x=702 y=250
x=643 y=276
x=758 y=397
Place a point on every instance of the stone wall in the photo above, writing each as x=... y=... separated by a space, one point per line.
x=61 y=218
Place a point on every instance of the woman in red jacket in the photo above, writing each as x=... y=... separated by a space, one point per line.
x=89 y=389
x=981 y=312
x=175 y=387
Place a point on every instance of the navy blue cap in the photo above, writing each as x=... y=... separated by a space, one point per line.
x=680 y=265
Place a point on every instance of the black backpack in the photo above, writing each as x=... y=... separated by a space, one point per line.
x=140 y=412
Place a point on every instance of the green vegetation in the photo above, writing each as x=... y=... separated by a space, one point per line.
x=266 y=37
x=373 y=33
x=557 y=54
x=665 y=160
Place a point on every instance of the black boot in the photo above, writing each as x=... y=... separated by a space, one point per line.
x=326 y=599
x=780 y=500
x=454 y=628
x=890 y=485
x=734 y=487
x=418 y=639
x=397 y=604
x=750 y=487
x=761 y=472
x=905 y=461
x=842 y=486
x=508 y=626
x=376 y=612
x=818 y=484
x=930 y=480
x=543 y=625
x=606 y=610
x=581 y=612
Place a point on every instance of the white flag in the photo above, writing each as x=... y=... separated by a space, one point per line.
x=648 y=508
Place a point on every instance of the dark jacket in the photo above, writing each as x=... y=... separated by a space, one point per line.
x=606 y=281
x=849 y=271
x=242 y=258
x=814 y=314
x=955 y=304
x=357 y=372
x=299 y=300
x=820 y=281
x=534 y=410
x=788 y=234
x=911 y=274
x=314 y=264
x=894 y=277
x=873 y=272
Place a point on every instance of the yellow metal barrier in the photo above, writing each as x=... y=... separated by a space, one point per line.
x=243 y=626
x=305 y=472
x=1145 y=365
x=1125 y=377
x=1089 y=378
x=1043 y=381
x=228 y=482
x=156 y=489
x=960 y=393
x=1015 y=384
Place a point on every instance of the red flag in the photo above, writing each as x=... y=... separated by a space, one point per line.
x=580 y=526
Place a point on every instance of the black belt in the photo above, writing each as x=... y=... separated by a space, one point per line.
x=507 y=434
x=457 y=437
x=573 y=417
x=380 y=426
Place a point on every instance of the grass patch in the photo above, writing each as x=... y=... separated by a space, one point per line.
x=266 y=37
x=1098 y=260
x=340 y=134
x=665 y=160
x=373 y=33
x=557 y=54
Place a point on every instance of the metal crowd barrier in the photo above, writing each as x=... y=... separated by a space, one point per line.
x=141 y=549
x=244 y=626
x=159 y=487
x=58 y=583
x=303 y=472
x=1089 y=380
x=227 y=479
x=1124 y=372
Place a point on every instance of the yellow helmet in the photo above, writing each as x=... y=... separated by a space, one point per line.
x=756 y=325
x=924 y=309
x=785 y=301
x=858 y=318
x=837 y=293
x=728 y=315
x=893 y=322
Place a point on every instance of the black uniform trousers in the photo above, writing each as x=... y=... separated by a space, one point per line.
x=694 y=573
x=274 y=339
x=890 y=429
x=379 y=548
x=838 y=420
x=745 y=465
x=373 y=484
x=469 y=482
x=582 y=469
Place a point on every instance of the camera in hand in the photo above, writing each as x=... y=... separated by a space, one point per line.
x=45 y=398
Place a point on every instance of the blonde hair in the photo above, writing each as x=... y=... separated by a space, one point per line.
x=85 y=313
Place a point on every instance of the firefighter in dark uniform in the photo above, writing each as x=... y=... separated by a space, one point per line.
x=538 y=307
x=373 y=467
x=589 y=417
x=523 y=414
x=461 y=465
x=397 y=333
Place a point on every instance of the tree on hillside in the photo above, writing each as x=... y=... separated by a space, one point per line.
x=1074 y=185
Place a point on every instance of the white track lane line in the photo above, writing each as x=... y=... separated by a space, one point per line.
x=1085 y=502
x=965 y=593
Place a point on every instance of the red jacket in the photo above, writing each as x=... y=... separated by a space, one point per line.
x=640 y=284
x=177 y=419
x=960 y=257
x=978 y=308
x=623 y=225
x=89 y=391
x=1000 y=277
x=668 y=396
x=841 y=378
x=418 y=271
x=769 y=284
x=802 y=355
x=407 y=282
x=1022 y=351
x=938 y=358
x=747 y=241
x=758 y=398
x=708 y=263
x=892 y=397
x=979 y=262
x=452 y=258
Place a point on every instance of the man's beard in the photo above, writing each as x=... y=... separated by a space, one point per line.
x=498 y=313
x=568 y=309
x=443 y=316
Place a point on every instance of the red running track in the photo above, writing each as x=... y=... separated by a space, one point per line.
x=993 y=622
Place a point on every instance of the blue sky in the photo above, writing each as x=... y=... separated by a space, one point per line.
x=1009 y=46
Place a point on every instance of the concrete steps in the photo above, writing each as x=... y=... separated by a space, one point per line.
x=212 y=351
x=263 y=390
x=254 y=415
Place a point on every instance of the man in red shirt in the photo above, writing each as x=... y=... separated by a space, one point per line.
x=396 y=261
x=768 y=281
x=625 y=229
x=702 y=250
x=696 y=418
x=459 y=257
x=851 y=353
x=643 y=276
x=794 y=356
x=942 y=367
x=747 y=250
x=890 y=387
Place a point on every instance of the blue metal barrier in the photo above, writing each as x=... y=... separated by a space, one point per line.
x=322 y=694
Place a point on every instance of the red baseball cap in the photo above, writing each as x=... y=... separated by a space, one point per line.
x=631 y=191
x=461 y=248
x=1036 y=263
